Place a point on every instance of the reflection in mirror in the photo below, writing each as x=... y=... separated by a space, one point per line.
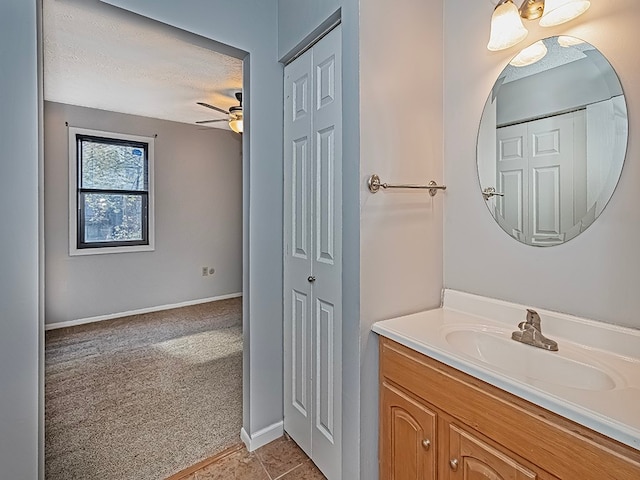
x=552 y=141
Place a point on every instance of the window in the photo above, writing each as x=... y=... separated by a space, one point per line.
x=111 y=192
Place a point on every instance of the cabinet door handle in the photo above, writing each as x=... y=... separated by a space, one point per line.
x=311 y=279
x=426 y=443
x=454 y=464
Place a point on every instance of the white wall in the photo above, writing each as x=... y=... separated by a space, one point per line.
x=19 y=323
x=198 y=220
x=401 y=69
x=595 y=275
x=223 y=21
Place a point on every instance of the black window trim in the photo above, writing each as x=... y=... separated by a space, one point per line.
x=144 y=194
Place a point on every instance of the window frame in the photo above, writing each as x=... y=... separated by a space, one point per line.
x=76 y=198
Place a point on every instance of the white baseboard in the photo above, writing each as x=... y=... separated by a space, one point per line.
x=262 y=437
x=111 y=316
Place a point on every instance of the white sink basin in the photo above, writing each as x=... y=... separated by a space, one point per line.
x=531 y=364
x=594 y=378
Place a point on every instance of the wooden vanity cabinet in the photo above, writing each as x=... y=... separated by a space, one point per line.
x=439 y=423
x=410 y=430
x=472 y=458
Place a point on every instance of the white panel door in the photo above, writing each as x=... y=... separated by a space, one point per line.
x=540 y=166
x=327 y=259
x=298 y=254
x=512 y=210
x=551 y=178
x=313 y=253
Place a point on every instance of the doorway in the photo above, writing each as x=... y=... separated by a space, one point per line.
x=197 y=258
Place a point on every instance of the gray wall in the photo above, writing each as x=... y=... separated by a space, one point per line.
x=571 y=85
x=222 y=21
x=352 y=455
x=595 y=275
x=297 y=19
x=298 y=24
x=19 y=270
x=198 y=220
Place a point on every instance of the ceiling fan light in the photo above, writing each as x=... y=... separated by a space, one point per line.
x=561 y=11
x=506 y=27
x=236 y=124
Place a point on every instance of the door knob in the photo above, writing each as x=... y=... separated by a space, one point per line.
x=426 y=443
x=311 y=279
x=454 y=464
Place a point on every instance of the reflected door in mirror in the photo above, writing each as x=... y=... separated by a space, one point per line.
x=541 y=169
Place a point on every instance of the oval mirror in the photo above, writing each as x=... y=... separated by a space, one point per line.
x=552 y=141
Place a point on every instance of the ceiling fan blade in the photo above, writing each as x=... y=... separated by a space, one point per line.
x=213 y=108
x=211 y=121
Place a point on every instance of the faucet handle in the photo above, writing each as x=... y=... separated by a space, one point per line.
x=533 y=318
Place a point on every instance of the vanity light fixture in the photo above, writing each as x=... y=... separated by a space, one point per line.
x=530 y=55
x=561 y=11
x=507 y=29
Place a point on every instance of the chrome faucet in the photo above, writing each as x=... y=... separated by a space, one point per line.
x=530 y=333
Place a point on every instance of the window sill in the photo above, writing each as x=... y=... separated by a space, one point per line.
x=78 y=252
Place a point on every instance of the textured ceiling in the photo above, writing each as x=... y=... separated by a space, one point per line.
x=98 y=56
x=556 y=56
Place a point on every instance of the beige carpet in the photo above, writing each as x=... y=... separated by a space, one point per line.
x=145 y=396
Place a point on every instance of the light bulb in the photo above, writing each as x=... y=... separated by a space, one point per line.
x=506 y=27
x=561 y=11
x=236 y=123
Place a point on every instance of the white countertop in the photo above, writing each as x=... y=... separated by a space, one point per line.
x=609 y=404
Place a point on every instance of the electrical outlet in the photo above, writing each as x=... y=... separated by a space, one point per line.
x=205 y=271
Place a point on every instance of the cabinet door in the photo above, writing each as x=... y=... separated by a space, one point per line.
x=407 y=443
x=470 y=458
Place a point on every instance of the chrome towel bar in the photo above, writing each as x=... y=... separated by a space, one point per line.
x=375 y=185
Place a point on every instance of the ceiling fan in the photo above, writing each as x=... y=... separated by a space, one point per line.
x=234 y=113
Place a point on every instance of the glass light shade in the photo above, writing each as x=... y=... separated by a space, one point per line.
x=506 y=27
x=561 y=11
x=236 y=124
x=530 y=55
x=566 y=41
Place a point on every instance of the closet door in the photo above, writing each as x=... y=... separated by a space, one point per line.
x=313 y=253
x=541 y=169
x=326 y=431
x=298 y=210
x=551 y=172
x=513 y=180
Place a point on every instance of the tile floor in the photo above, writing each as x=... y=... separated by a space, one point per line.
x=281 y=459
